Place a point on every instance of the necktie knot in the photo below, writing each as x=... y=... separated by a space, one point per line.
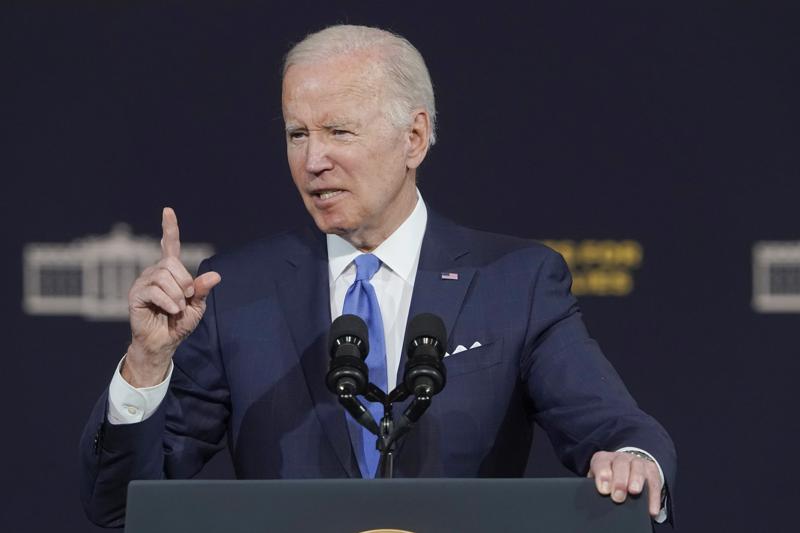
x=366 y=266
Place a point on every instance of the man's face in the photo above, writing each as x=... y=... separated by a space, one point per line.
x=348 y=161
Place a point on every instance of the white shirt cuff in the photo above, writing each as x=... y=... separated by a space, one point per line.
x=662 y=514
x=128 y=404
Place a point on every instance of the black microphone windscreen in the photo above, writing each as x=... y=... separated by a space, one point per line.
x=348 y=325
x=427 y=325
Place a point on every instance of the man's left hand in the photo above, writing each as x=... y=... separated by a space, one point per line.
x=619 y=474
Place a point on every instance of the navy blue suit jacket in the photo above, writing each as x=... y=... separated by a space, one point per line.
x=252 y=374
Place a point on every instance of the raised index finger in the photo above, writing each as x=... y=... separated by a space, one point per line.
x=171 y=237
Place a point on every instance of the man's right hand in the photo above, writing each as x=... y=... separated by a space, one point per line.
x=165 y=305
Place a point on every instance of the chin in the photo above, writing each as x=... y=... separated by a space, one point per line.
x=332 y=225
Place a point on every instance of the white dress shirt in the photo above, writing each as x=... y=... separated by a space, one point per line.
x=393 y=282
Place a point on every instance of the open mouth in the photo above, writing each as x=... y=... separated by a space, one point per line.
x=327 y=195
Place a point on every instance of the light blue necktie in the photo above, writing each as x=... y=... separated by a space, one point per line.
x=362 y=301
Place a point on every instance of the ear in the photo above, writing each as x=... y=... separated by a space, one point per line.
x=419 y=134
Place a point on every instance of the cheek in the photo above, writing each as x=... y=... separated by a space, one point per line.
x=389 y=171
x=390 y=152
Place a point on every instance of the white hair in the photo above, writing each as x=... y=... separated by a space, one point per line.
x=409 y=83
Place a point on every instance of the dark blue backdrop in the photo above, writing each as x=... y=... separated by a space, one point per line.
x=676 y=128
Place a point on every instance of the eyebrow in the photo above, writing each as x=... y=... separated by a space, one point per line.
x=339 y=124
x=329 y=125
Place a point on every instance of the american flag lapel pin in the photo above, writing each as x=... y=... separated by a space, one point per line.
x=450 y=275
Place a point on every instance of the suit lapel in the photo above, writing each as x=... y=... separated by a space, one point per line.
x=305 y=298
x=441 y=253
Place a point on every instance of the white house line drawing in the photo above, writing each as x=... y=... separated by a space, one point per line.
x=91 y=276
x=776 y=277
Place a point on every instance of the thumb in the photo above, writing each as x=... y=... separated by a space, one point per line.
x=203 y=285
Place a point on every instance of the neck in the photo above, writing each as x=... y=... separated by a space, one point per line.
x=369 y=239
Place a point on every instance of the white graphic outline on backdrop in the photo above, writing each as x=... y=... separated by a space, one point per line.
x=776 y=276
x=91 y=276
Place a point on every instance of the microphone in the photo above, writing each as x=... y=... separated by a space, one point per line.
x=348 y=375
x=425 y=373
x=348 y=346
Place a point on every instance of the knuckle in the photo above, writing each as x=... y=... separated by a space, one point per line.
x=144 y=276
x=135 y=291
x=600 y=458
x=141 y=297
x=623 y=478
x=621 y=463
x=165 y=279
x=172 y=263
x=168 y=264
x=604 y=473
x=655 y=485
x=164 y=302
x=173 y=267
x=182 y=275
x=141 y=284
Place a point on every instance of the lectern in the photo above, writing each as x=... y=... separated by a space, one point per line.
x=355 y=506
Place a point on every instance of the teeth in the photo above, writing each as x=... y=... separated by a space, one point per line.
x=328 y=194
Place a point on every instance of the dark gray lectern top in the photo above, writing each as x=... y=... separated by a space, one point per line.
x=358 y=505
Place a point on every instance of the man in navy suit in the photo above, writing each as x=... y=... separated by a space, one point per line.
x=247 y=360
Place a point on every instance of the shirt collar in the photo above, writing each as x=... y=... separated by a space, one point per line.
x=398 y=252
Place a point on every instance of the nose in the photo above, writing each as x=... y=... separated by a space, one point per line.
x=317 y=154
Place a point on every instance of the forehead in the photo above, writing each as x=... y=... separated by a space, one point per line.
x=354 y=80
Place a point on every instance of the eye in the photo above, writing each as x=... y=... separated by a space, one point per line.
x=297 y=135
x=340 y=133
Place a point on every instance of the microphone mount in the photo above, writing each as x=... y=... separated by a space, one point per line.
x=390 y=432
x=424 y=377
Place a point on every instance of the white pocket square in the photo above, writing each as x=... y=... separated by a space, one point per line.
x=461 y=348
